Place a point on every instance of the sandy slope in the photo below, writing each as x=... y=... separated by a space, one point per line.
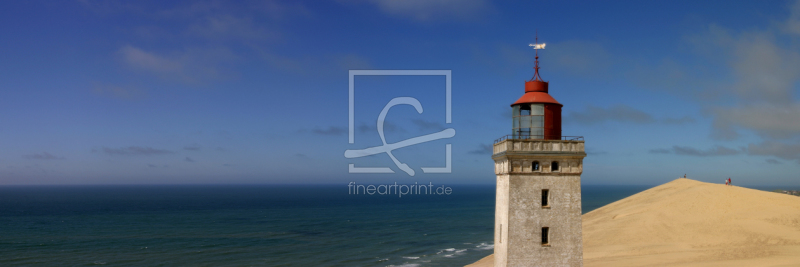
x=691 y=223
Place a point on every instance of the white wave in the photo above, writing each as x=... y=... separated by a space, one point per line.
x=484 y=246
x=405 y=265
x=411 y=258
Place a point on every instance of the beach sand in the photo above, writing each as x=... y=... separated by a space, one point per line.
x=692 y=223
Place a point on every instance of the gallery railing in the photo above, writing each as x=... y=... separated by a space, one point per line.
x=538 y=137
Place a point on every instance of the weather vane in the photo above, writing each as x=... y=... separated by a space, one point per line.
x=536 y=46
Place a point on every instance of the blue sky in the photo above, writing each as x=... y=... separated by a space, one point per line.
x=158 y=92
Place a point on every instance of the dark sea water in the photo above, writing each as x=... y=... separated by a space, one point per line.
x=213 y=225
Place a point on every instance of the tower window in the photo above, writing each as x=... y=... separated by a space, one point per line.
x=545 y=197
x=536 y=166
x=554 y=166
x=545 y=236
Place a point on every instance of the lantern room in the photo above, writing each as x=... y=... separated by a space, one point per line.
x=536 y=115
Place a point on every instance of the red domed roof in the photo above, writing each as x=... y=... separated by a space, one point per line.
x=536 y=97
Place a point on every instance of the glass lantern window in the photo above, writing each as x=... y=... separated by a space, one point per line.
x=537 y=109
x=528 y=121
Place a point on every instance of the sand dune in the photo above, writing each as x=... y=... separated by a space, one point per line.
x=691 y=223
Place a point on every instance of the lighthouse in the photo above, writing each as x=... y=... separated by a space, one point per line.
x=538 y=204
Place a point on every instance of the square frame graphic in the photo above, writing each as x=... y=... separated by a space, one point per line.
x=351 y=100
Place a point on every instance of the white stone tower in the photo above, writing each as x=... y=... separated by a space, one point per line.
x=538 y=206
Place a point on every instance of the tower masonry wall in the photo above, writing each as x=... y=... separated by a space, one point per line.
x=519 y=206
x=526 y=217
x=501 y=221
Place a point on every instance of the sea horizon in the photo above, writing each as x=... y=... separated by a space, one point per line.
x=269 y=225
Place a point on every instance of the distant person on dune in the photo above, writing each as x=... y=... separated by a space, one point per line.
x=726 y=181
x=729 y=181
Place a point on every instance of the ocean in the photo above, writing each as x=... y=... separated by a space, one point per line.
x=251 y=225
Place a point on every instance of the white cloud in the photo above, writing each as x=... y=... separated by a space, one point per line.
x=768 y=120
x=429 y=10
x=352 y=62
x=715 y=151
x=746 y=80
x=790 y=151
x=42 y=156
x=191 y=65
x=135 y=150
x=229 y=27
x=122 y=92
x=148 y=61
x=792 y=25
x=690 y=151
x=199 y=41
x=578 y=58
x=314 y=65
x=764 y=70
x=619 y=113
